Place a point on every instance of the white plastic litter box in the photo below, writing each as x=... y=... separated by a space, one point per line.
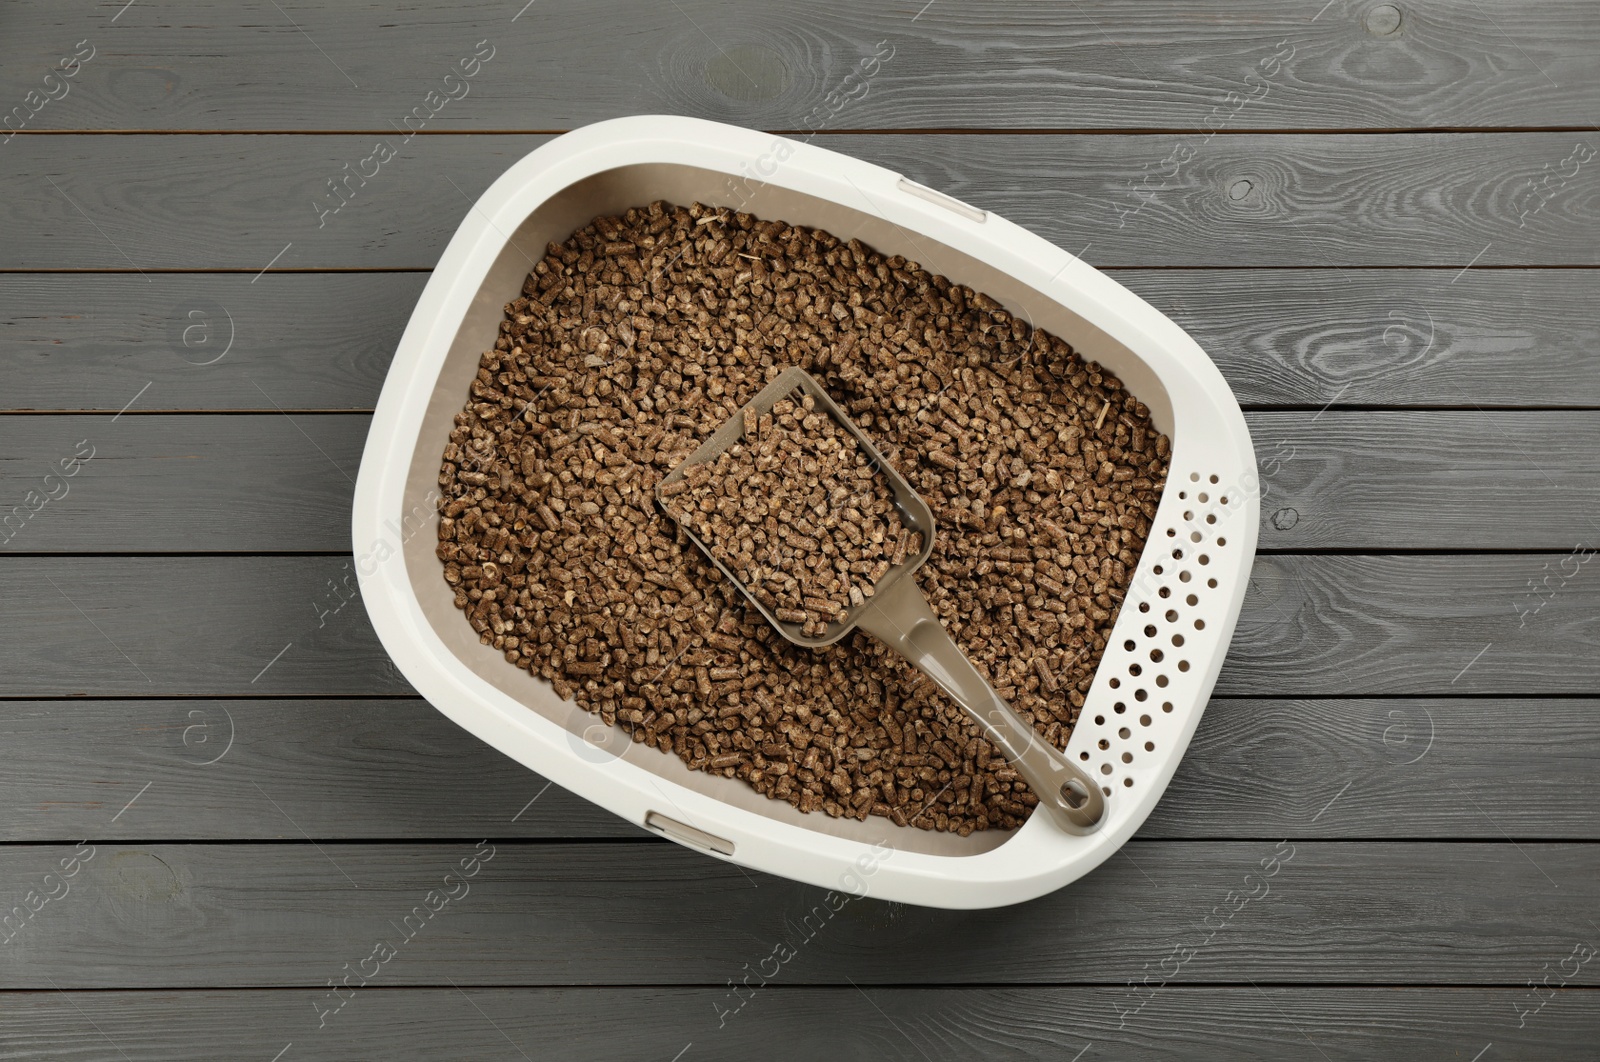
x=1170 y=636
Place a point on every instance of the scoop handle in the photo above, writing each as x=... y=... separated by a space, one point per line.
x=899 y=617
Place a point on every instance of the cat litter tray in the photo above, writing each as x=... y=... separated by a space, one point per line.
x=1171 y=633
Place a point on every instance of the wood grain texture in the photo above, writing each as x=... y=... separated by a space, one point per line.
x=267 y=797
x=1026 y=1024
x=335 y=768
x=1390 y=337
x=347 y=769
x=1450 y=625
x=205 y=65
x=261 y=482
x=1394 y=480
x=284 y=481
x=1389 y=768
x=214 y=916
x=242 y=202
x=1281 y=337
x=243 y=626
x=398 y=770
x=1312 y=626
x=201 y=341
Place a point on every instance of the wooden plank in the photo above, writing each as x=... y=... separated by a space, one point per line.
x=218 y=916
x=1387 y=768
x=1010 y=64
x=174 y=626
x=283 y=482
x=202 y=341
x=398 y=770
x=1378 y=625
x=259 y=482
x=1312 y=626
x=1282 y=337
x=244 y=202
x=362 y=769
x=1390 y=337
x=1192 y=1024
x=1388 y=480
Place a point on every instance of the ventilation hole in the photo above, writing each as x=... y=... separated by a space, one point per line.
x=1106 y=790
x=1156 y=569
x=1211 y=583
x=1177 y=554
x=1195 y=537
x=1213 y=479
x=1166 y=706
x=1161 y=680
x=1201 y=497
x=1124 y=733
x=1083 y=755
x=1204 y=559
x=1127 y=757
x=1135 y=669
x=1105 y=768
x=1172 y=532
x=1183 y=665
x=1211 y=519
x=1177 y=639
x=1140 y=695
x=1099 y=720
x=1182 y=495
x=1188 y=514
x=1194 y=477
x=1222 y=500
x=1119 y=708
x=1127 y=783
x=1183 y=577
x=1199 y=625
x=1144 y=720
x=1149 y=746
x=1129 y=645
x=1156 y=654
x=1163 y=592
x=1172 y=615
x=1149 y=630
x=1192 y=599
x=1144 y=606
x=1222 y=541
x=1104 y=744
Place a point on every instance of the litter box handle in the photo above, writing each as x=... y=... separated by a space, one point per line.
x=899 y=617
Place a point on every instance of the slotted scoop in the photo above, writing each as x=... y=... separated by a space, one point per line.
x=899 y=616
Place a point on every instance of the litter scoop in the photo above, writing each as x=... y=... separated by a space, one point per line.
x=899 y=616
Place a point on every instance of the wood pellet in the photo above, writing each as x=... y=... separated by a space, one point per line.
x=631 y=343
x=798 y=513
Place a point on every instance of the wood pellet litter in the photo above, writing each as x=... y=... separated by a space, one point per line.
x=797 y=512
x=631 y=343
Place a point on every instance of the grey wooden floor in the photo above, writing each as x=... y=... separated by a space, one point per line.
x=217 y=794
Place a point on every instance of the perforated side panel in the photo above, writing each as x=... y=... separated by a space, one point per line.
x=1151 y=685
